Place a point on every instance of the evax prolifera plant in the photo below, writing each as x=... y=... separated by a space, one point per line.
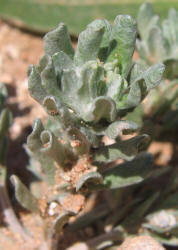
x=159 y=43
x=86 y=93
x=158 y=40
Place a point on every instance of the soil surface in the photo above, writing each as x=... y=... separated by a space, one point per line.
x=17 y=51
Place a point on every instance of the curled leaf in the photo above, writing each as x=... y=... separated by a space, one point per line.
x=59 y=152
x=92 y=35
x=49 y=79
x=60 y=221
x=34 y=85
x=103 y=108
x=58 y=40
x=116 y=128
x=124 y=33
x=89 y=177
x=33 y=140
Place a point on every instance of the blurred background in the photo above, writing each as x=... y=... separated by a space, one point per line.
x=42 y=15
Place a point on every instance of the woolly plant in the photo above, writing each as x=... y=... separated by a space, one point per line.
x=86 y=93
x=159 y=41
